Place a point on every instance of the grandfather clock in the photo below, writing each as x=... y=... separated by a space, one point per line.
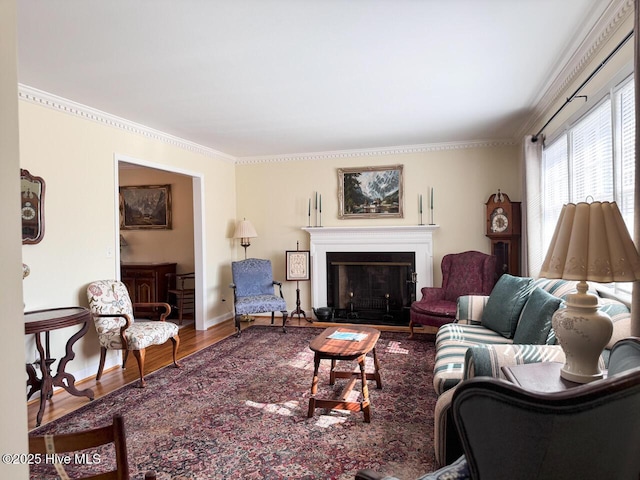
x=503 y=228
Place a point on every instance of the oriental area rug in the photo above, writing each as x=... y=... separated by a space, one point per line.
x=238 y=410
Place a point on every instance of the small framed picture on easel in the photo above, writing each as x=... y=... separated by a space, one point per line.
x=297 y=265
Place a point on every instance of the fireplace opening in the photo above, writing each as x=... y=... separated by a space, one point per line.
x=371 y=287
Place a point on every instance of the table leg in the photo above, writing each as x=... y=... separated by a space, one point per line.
x=376 y=372
x=314 y=386
x=32 y=381
x=46 y=382
x=66 y=380
x=364 y=405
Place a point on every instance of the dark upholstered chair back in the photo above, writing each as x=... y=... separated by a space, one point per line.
x=467 y=273
x=589 y=431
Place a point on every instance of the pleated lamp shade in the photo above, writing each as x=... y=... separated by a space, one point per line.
x=591 y=243
x=244 y=229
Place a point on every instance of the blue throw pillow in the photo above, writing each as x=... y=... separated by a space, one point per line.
x=535 y=320
x=505 y=303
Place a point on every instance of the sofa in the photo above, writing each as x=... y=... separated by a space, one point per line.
x=510 y=326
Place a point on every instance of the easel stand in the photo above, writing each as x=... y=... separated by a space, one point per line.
x=298 y=311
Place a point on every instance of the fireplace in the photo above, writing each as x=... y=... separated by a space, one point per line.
x=371 y=287
x=386 y=257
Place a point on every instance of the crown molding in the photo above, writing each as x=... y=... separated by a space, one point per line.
x=371 y=152
x=606 y=26
x=44 y=99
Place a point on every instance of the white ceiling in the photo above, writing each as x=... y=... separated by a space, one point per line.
x=274 y=77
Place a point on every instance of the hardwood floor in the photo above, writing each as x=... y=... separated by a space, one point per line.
x=191 y=341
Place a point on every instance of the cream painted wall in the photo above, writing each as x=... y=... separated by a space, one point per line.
x=76 y=158
x=175 y=245
x=275 y=196
x=13 y=413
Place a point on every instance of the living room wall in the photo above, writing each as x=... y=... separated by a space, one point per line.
x=76 y=157
x=274 y=196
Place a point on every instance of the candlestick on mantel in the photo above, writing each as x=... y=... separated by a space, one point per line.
x=420 y=210
x=320 y=210
x=432 y=207
x=309 y=213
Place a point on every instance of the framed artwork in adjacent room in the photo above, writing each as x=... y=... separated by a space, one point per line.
x=297 y=265
x=370 y=192
x=145 y=207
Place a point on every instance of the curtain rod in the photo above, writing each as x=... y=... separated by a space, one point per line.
x=575 y=94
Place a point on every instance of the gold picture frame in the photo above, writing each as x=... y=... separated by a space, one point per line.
x=371 y=192
x=145 y=207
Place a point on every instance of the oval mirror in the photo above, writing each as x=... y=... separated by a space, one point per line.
x=32 y=205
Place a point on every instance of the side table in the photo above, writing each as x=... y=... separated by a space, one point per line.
x=43 y=321
x=538 y=377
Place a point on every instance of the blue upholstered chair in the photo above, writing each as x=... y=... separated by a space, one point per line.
x=253 y=290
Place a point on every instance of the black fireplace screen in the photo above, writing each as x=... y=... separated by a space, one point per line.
x=371 y=287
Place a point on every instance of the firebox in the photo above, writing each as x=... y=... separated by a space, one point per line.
x=371 y=287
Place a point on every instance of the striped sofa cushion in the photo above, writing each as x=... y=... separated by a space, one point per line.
x=452 y=342
x=487 y=360
x=556 y=287
x=470 y=308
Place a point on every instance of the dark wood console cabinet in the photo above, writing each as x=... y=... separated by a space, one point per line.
x=147 y=282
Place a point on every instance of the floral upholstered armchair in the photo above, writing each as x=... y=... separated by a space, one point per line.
x=463 y=273
x=113 y=316
x=253 y=290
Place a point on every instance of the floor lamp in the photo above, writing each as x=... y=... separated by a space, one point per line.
x=245 y=232
x=591 y=243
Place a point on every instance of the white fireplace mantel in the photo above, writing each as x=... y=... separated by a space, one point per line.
x=411 y=238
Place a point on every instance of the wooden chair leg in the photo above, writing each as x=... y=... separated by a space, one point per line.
x=139 y=354
x=410 y=329
x=103 y=356
x=284 y=321
x=238 y=329
x=176 y=343
x=125 y=356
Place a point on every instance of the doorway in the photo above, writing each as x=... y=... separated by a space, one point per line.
x=183 y=242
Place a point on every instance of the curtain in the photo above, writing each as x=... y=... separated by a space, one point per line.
x=532 y=254
x=635 y=298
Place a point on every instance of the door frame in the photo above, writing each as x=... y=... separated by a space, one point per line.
x=199 y=243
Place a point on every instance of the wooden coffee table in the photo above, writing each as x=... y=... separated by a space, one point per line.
x=334 y=349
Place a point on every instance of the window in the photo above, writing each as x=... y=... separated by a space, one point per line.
x=594 y=159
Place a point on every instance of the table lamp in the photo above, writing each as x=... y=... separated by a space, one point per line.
x=245 y=232
x=591 y=243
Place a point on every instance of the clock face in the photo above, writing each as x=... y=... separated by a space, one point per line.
x=499 y=221
x=28 y=213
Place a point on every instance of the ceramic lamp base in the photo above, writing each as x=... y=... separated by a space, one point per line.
x=583 y=332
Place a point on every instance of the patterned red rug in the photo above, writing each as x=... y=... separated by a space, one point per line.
x=238 y=410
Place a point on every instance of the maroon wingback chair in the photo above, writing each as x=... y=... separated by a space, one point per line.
x=466 y=273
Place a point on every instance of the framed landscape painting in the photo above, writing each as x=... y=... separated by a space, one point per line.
x=370 y=192
x=145 y=207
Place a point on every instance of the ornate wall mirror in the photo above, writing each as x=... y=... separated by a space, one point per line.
x=32 y=204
